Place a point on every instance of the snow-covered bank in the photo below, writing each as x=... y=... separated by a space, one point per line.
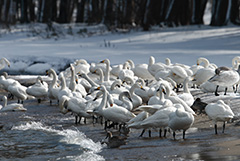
x=33 y=54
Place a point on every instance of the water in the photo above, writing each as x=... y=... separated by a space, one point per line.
x=36 y=141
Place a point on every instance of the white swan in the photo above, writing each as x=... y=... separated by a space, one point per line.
x=64 y=90
x=186 y=95
x=5 y=81
x=124 y=100
x=126 y=72
x=74 y=86
x=153 y=67
x=219 y=112
x=117 y=114
x=224 y=77
x=158 y=98
x=159 y=119
x=140 y=70
x=180 y=120
x=52 y=88
x=75 y=105
x=18 y=90
x=204 y=74
x=11 y=107
x=176 y=99
x=39 y=89
x=4 y=62
x=137 y=100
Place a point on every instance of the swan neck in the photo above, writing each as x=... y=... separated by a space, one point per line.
x=101 y=75
x=185 y=86
x=72 y=85
x=90 y=80
x=104 y=101
x=63 y=83
x=151 y=61
x=54 y=81
x=107 y=73
x=131 y=63
x=4 y=101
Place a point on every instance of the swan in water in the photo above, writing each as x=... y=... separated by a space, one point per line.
x=180 y=120
x=39 y=90
x=4 y=62
x=52 y=88
x=219 y=112
x=116 y=114
x=224 y=77
x=11 y=107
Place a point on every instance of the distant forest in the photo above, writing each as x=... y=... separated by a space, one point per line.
x=119 y=13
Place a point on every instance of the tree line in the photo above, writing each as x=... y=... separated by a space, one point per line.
x=119 y=13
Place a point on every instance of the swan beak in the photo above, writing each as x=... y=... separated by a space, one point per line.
x=198 y=64
x=142 y=88
x=130 y=99
x=174 y=74
x=102 y=61
x=111 y=104
x=76 y=81
x=9 y=65
x=163 y=91
x=46 y=72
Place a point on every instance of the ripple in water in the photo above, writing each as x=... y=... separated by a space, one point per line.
x=34 y=140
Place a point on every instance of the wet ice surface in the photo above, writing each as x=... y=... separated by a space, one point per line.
x=44 y=133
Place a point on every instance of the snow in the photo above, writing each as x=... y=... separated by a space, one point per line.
x=34 y=54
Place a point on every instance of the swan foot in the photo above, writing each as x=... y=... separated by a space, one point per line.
x=142 y=133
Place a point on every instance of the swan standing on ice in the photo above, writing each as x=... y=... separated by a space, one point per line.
x=180 y=120
x=3 y=63
x=225 y=77
x=11 y=107
x=219 y=112
x=39 y=89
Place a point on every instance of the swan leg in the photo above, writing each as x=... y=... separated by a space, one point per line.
x=85 y=120
x=50 y=102
x=76 y=119
x=142 y=133
x=216 y=129
x=174 y=135
x=183 y=134
x=223 y=127
x=216 y=94
x=149 y=133
x=165 y=132
x=226 y=91
x=160 y=132
x=39 y=100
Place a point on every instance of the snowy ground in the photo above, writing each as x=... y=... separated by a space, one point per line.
x=32 y=50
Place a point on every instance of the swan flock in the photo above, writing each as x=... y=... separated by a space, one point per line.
x=147 y=96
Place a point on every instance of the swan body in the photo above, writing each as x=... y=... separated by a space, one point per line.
x=153 y=67
x=180 y=120
x=5 y=81
x=203 y=74
x=186 y=95
x=225 y=78
x=140 y=70
x=219 y=112
x=53 y=88
x=116 y=114
x=64 y=89
x=11 y=107
x=4 y=62
x=18 y=90
x=39 y=89
x=124 y=100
